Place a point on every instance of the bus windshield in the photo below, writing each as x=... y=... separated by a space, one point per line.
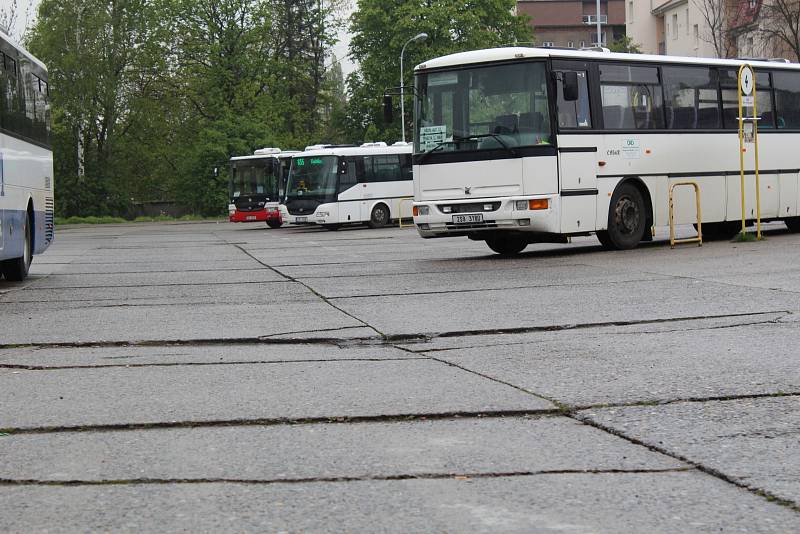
x=254 y=177
x=313 y=178
x=481 y=108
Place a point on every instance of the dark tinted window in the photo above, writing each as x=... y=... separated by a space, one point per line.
x=787 y=98
x=348 y=174
x=691 y=97
x=384 y=168
x=24 y=108
x=729 y=83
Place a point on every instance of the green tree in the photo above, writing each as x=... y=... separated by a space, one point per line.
x=380 y=29
x=626 y=45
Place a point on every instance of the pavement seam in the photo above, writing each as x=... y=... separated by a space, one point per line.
x=386 y=339
x=587 y=420
x=199 y=364
x=322 y=297
x=267 y=422
x=486 y=289
x=686 y=400
x=461 y=476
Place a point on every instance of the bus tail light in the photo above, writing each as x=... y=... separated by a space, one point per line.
x=539 y=204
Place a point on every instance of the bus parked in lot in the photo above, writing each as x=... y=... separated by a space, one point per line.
x=26 y=160
x=257 y=184
x=336 y=185
x=524 y=145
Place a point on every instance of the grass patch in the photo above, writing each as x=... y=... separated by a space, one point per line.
x=746 y=237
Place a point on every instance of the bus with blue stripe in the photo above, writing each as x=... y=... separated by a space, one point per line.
x=26 y=161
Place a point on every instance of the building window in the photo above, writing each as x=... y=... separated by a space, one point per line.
x=687 y=21
x=674 y=25
x=696 y=36
x=583 y=44
x=630 y=11
x=570 y=44
x=547 y=44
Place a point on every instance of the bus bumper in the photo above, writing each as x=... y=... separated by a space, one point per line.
x=452 y=218
x=256 y=216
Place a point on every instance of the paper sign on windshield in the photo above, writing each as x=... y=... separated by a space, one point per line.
x=430 y=136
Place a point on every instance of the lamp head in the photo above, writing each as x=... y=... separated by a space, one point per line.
x=420 y=37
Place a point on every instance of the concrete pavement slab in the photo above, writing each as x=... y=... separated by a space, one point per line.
x=49 y=357
x=581 y=368
x=138 y=279
x=559 y=306
x=317 y=451
x=753 y=441
x=167 y=322
x=582 y=503
x=75 y=397
x=33 y=299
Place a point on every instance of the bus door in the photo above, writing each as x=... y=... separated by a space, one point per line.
x=577 y=154
x=348 y=190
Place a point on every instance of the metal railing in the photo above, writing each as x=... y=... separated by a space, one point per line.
x=699 y=238
x=400 y=214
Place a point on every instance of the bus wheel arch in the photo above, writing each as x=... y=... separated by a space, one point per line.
x=379 y=216
x=630 y=216
x=16 y=269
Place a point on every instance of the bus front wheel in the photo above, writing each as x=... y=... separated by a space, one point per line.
x=506 y=245
x=16 y=270
x=627 y=219
x=380 y=216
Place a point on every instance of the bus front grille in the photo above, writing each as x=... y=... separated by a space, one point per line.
x=471 y=226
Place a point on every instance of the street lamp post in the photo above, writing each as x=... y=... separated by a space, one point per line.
x=417 y=38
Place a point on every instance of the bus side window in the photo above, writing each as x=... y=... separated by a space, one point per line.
x=631 y=97
x=405 y=167
x=787 y=98
x=367 y=174
x=574 y=114
x=386 y=168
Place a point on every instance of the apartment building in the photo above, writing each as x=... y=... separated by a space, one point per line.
x=671 y=27
x=573 y=23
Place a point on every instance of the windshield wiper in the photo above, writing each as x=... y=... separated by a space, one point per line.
x=427 y=153
x=496 y=137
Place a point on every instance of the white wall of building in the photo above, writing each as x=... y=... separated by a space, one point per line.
x=685 y=30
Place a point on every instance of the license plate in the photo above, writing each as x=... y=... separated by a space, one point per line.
x=301 y=219
x=468 y=219
x=251 y=217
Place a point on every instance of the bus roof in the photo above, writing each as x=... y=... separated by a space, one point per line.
x=261 y=154
x=18 y=47
x=367 y=149
x=491 y=55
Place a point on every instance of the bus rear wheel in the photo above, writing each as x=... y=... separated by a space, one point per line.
x=16 y=269
x=272 y=223
x=627 y=218
x=720 y=230
x=507 y=245
x=793 y=224
x=380 y=216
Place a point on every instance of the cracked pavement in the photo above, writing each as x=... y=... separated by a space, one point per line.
x=211 y=376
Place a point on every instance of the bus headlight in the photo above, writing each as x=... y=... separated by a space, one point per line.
x=323 y=214
x=521 y=205
x=422 y=210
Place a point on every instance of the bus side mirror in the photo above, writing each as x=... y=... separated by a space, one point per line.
x=570 y=86
x=388 y=110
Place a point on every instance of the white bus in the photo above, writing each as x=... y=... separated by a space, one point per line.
x=257 y=184
x=524 y=145
x=336 y=185
x=26 y=160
